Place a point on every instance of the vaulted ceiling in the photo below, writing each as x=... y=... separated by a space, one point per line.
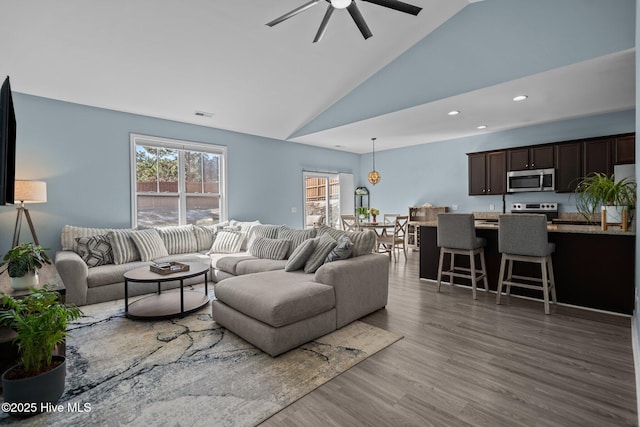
x=170 y=59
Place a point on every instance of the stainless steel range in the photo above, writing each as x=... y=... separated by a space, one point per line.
x=550 y=209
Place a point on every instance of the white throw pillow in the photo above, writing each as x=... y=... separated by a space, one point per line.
x=227 y=242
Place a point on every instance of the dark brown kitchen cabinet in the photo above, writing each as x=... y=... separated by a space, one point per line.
x=624 y=149
x=568 y=166
x=596 y=156
x=487 y=173
x=539 y=157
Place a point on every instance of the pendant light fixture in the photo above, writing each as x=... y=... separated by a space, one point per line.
x=374 y=176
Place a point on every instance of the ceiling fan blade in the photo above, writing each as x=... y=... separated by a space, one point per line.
x=323 y=24
x=397 y=5
x=359 y=20
x=294 y=12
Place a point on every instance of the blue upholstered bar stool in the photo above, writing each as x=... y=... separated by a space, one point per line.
x=523 y=237
x=457 y=236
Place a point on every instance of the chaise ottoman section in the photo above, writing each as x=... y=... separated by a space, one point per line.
x=276 y=310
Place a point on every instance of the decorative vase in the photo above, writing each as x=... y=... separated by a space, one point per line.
x=35 y=392
x=29 y=280
x=374 y=219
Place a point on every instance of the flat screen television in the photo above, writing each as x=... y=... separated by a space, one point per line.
x=7 y=144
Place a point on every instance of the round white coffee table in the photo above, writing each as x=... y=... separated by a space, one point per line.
x=168 y=304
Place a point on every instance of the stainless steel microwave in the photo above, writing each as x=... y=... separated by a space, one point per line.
x=531 y=180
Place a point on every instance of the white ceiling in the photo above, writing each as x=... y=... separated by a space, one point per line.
x=169 y=59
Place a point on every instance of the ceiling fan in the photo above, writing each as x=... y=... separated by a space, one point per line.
x=352 y=7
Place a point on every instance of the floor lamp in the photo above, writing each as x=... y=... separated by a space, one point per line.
x=28 y=192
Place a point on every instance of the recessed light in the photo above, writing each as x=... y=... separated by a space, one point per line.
x=203 y=114
x=520 y=98
x=482 y=127
x=453 y=112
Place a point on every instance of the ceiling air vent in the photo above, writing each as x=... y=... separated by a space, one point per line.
x=203 y=114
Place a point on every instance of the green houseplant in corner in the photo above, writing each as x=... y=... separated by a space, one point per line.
x=599 y=191
x=24 y=261
x=40 y=322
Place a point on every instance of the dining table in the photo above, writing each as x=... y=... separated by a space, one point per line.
x=380 y=228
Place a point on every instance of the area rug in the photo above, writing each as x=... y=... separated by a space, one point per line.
x=190 y=371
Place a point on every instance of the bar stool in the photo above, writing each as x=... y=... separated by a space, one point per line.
x=457 y=236
x=524 y=237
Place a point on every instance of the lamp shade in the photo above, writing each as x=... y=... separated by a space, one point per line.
x=31 y=191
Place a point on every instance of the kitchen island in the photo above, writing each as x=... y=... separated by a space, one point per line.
x=593 y=268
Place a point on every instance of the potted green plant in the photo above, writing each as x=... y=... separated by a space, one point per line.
x=362 y=212
x=40 y=322
x=24 y=261
x=599 y=191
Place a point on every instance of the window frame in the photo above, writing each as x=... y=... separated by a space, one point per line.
x=180 y=145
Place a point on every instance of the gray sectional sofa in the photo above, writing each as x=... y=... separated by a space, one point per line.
x=274 y=286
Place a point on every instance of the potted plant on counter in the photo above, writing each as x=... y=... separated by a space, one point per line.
x=600 y=192
x=40 y=322
x=24 y=261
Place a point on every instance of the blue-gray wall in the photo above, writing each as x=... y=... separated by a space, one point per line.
x=83 y=154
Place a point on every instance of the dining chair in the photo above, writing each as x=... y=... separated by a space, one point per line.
x=349 y=222
x=398 y=240
x=389 y=218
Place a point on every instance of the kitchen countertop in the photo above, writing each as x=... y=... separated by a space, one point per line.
x=554 y=228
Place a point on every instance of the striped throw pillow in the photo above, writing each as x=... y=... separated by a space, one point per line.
x=204 y=236
x=266 y=248
x=124 y=250
x=227 y=242
x=296 y=236
x=343 y=250
x=300 y=255
x=149 y=244
x=325 y=245
x=179 y=239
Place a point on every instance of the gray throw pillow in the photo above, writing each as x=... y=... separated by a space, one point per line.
x=179 y=239
x=343 y=250
x=266 y=248
x=95 y=250
x=325 y=245
x=300 y=255
x=296 y=236
x=227 y=242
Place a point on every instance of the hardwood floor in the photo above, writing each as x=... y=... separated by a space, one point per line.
x=473 y=363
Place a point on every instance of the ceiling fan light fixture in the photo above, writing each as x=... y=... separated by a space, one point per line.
x=340 y=4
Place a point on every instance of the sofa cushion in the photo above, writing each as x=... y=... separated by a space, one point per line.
x=70 y=233
x=343 y=250
x=259 y=265
x=149 y=244
x=300 y=255
x=124 y=250
x=325 y=245
x=227 y=242
x=95 y=250
x=276 y=298
x=263 y=247
x=296 y=236
x=229 y=263
x=179 y=239
x=110 y=274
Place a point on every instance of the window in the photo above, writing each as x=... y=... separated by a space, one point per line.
x=176 y=182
